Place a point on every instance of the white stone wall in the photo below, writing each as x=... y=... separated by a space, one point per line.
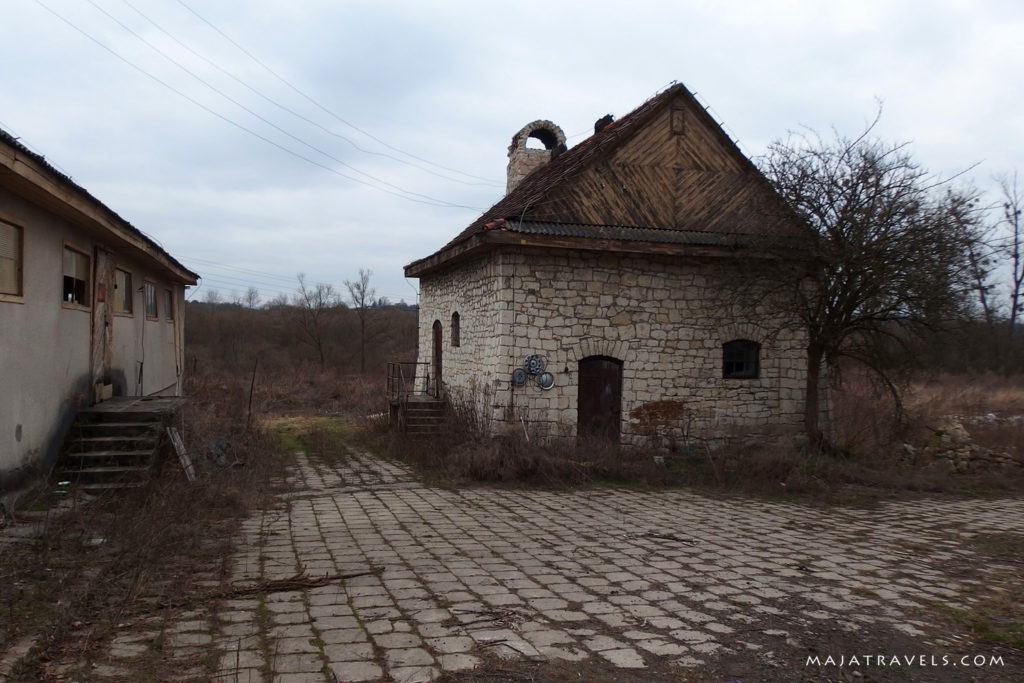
x=471 y=290
x=665 y=319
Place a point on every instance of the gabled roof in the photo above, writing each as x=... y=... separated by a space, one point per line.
x=663 y=174
x=29 y=175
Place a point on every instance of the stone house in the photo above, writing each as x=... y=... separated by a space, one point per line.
x=90 y=307
x=608 y=293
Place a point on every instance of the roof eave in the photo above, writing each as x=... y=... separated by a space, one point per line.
x=491 y=240
x=55 y=192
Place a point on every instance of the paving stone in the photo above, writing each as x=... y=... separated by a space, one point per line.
x=626 y=658
x=296 y=663
x=349 y=652
x=343 y=635
x=240 y=659
x=413 y=656
x=458 y=662
x=413 y=674
x=191 y=638
x=288 y=646
x=539 y=569
x=356 y=671
x=397 y=640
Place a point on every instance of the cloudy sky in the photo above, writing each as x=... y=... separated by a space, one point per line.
x=258 y=139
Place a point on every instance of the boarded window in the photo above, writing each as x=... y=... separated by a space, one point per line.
x=456 y=335
x=168 y=305
x=10 y=259
x=122 y=291
x=76 y=277
x=740 y=359
x=149 y=292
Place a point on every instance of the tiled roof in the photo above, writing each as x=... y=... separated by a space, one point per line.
x=728 y=205
x=568 y=163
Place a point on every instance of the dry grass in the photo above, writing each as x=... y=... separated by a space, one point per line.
x=865 y=465
x=970 y=395
x=122 y=556
x=990 y=407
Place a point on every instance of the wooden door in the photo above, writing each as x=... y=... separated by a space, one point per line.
x=102 y=336
x=436 y=365
x=599 y=402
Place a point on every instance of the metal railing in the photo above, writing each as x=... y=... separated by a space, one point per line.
x=402 y=381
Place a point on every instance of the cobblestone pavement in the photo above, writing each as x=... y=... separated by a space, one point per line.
x=622 y=576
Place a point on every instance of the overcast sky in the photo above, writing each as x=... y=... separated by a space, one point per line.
x=276 y=137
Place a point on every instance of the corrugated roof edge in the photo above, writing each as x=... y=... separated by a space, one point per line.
x=67 y=181
x=632 y=233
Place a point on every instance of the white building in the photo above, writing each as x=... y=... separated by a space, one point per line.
x=89 y=307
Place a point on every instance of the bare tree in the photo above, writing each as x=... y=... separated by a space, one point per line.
x=315 y=305
x=213 y=297
x=361 y=295
x=889 y=257
x=1013 y=203
x=251 y=298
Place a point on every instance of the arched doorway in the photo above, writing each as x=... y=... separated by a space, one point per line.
x=599 y=402
x=436 y=364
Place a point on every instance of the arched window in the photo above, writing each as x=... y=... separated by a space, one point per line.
x=456 y=341
x=741 y=359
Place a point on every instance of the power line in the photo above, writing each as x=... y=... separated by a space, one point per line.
x=296 y=114
x=253 y=113
x=322 y=107
x=429 y=202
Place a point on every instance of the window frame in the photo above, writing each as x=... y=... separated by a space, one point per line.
x=148 y=294
x=742 y=353
x=168 y=304
x=119 y=297
x=456 y=332
x=86 y=289
x=18 y=296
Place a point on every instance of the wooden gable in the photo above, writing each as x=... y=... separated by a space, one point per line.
x=664 y=178
x=675 y=171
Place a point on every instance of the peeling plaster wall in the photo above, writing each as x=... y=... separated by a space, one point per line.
x=666 y=320
x=45 y=347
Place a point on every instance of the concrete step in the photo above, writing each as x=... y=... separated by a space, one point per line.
x=111 y=450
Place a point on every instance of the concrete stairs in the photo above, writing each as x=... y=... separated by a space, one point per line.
x=423 y=416
x=111 y=450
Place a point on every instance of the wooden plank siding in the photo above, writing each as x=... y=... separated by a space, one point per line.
x=659 y=178
x=666 y=165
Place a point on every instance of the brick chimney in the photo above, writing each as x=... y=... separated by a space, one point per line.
x=523 y=161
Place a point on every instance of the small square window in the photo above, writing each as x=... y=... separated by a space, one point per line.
x=122 y=291
x=740 y=359
x=76 y=277
x=10 y=259
x=149 y=292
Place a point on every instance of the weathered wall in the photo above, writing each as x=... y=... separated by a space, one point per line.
x=474 y=292
x=522 y=160
x=665 y=319
x=147 y=344
x=45 y=346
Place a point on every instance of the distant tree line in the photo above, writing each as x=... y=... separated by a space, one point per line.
x=315 y=326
